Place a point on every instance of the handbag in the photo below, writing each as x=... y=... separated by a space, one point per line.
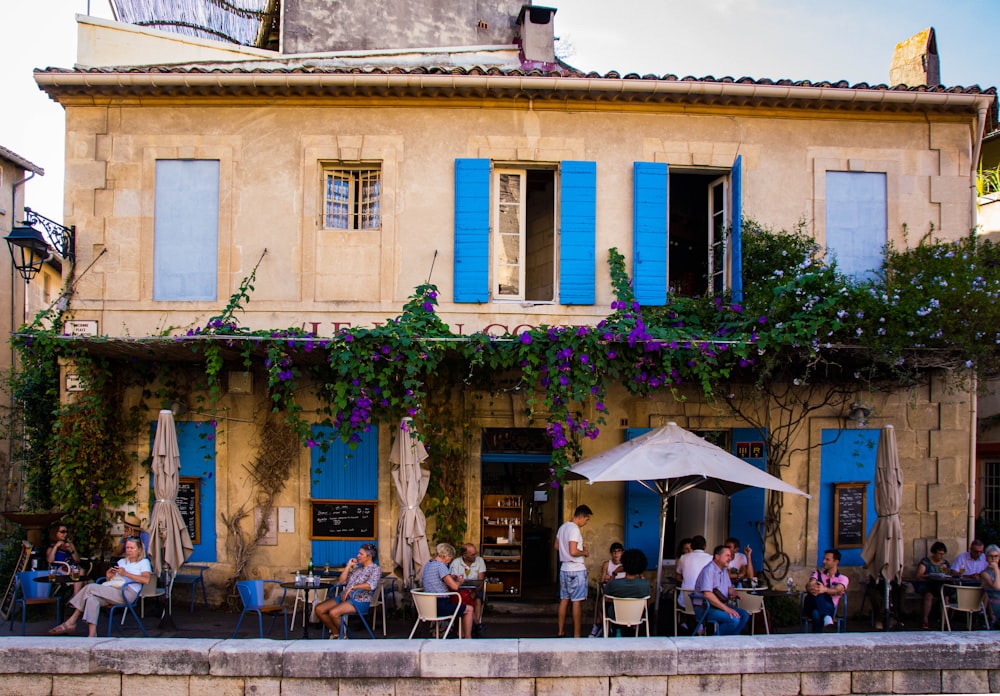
x=468 y=596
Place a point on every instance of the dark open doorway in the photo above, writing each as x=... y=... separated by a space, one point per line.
x=515 y=462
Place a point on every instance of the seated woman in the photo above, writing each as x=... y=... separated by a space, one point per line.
x=612 y=568
x=924 y=585
x=633 y=585
x=88 y=601
x=437 y=578
x=360 y=573
x=61 y=551
x=991 y=583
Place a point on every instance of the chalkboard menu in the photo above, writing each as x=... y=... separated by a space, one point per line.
x=344 y=519
x=189 y=504
x=849 y=503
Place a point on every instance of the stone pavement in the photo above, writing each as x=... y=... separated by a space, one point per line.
x=507 y=620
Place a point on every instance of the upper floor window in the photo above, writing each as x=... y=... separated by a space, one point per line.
x=186 y=230
x=525 y=233
x=856 y=221
x=352 y=197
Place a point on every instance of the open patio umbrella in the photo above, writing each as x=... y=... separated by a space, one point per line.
x=883 y=551
x=169 y=541
x=409 y=550
x=669 y=461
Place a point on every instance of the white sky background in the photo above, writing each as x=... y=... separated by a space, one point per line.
x=833 y=40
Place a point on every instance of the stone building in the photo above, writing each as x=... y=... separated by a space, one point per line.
x=366 y=162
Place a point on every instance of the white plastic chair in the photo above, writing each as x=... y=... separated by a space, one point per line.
x=753 y=604
x=427 y=610
x=628 y=611
x=378 y=603
x=969 y=600
x=153 y=588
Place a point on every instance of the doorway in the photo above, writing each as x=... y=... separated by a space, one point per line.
x=515 y=462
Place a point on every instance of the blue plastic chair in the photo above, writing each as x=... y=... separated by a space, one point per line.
x=253 y=593
x=127 y=606
x=192 y=581
x=28 y=593
x=345 y=629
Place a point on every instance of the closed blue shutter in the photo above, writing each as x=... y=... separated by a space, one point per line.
x=472 y=230
x=737 y=225
x=649 y=233
x=347 y=474
x=577 y=232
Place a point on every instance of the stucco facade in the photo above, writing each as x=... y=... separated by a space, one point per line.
x=275 y=127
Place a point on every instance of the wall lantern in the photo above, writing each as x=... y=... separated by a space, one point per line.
x=859 y=414
x=30 y=248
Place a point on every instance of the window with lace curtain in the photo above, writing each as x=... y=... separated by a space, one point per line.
x=352 y=197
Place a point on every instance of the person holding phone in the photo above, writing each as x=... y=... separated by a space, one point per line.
x=361 y=573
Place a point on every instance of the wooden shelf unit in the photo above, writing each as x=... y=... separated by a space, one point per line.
x=503 y=518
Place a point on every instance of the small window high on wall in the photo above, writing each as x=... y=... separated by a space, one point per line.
x=352 y=197
x=856 y=226
x=186 y=230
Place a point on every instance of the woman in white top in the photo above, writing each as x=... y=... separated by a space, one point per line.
x=88 y=601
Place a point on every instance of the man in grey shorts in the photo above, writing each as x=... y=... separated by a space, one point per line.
x=573 y=571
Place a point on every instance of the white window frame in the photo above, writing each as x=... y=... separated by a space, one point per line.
x=502 y=237
x=363 y=201
x=718 y=239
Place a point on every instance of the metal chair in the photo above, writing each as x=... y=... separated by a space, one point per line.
x=698 y=611
x=127 y=606
x=156 y=588
x=628 y=611
x=345 y=630
x=31 y=593
x=839 y=615
x=427 y=611
x=192 y=581
x=753 y=604
x=967 y=599
x=253 y=594
x=378 y=601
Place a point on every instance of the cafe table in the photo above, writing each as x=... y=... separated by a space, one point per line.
x=308 y=589
x=60 y=579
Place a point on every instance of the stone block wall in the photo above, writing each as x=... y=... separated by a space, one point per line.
x=811 y=665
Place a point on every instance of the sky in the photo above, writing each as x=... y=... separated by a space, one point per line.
x=836 y=40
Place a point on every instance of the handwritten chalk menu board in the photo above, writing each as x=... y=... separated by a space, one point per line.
x=189 y=503
x=849 y=505
x=344 y=519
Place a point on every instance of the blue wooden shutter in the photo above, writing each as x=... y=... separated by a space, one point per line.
x=345 y=474
x=746 y=507
x=649 y=233
x=737 y=224
x=472 y=230
x=642 y=514
x=577 y=232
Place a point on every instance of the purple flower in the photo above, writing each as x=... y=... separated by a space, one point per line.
x=310 y=443
x=526 y=339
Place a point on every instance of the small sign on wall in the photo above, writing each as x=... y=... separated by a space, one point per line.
x=81 y=327
x=74 y=383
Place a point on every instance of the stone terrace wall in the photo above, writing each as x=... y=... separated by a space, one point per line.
x=902 y=663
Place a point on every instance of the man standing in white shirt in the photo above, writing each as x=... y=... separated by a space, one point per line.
x=573 y=571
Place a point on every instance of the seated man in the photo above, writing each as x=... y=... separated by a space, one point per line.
x=714 y=585
x=633 y=585
x=970 y=563
x=691 y=564
x=741 y=567
x=823 y=591
x=471 y=567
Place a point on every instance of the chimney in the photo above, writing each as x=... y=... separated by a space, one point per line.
x=915 y=61
x=538 y=41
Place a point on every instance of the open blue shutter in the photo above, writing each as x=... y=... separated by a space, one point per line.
x=649 y=233
x=746 y=507
x=737 y=225
x=642 y=513
x=577 y=232
x=472 y=230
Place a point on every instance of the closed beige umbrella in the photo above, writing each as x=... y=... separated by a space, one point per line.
x=169 y=541
x=409 y=550
x=883 y=551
